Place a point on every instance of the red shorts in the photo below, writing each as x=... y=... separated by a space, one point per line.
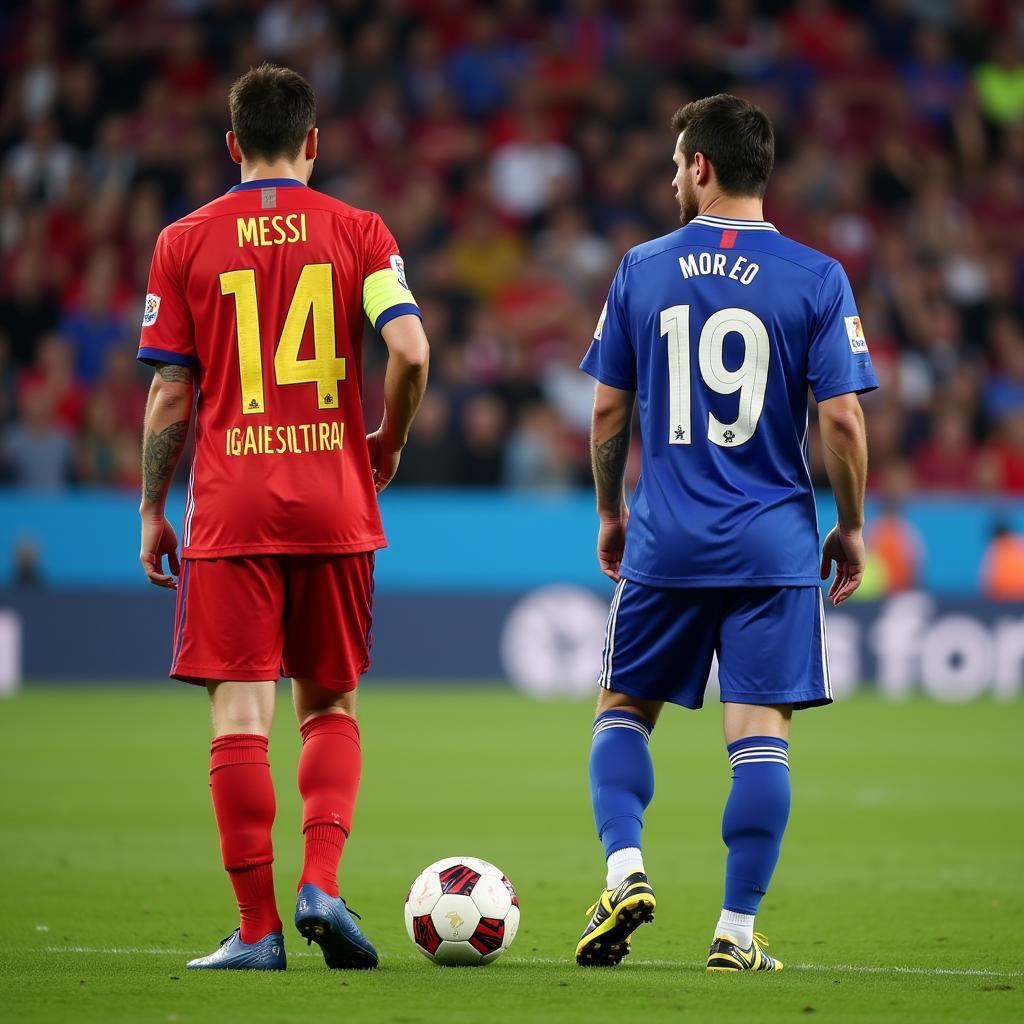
x=261 y=616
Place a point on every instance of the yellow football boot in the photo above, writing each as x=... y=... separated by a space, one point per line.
x=614 y=918
x=727 y=955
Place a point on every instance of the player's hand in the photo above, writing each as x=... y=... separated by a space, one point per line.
x=159 y=539
x=846 y=549
x=611 y=542
x=384 y=459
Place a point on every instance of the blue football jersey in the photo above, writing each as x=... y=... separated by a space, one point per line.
x=720 y=328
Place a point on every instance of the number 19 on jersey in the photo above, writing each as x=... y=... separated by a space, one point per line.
x=750 y=378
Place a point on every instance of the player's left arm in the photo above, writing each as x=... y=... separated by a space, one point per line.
x=609 y=452
x=390 y=306
x=168 y=414
x=838 y=370
x=405 y=381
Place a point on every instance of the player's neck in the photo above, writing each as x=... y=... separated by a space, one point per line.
x=736 y=207
x=259 y=171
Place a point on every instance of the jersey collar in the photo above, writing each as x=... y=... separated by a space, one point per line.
x=247 y=186
x=733 y=223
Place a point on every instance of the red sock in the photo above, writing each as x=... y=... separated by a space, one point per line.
x=243 y=800
x=329 y=768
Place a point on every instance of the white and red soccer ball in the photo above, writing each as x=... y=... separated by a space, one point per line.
x=462 y=911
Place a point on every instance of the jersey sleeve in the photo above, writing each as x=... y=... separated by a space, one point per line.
x=168 y=335
x=838 y=362
x=611 y=358
x=386 y=292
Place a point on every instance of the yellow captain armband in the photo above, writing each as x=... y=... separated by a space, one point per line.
x=386 y=294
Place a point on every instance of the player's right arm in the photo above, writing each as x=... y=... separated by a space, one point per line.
x=405 y=380
x=168 y=345
x=846 y=461
x=168 y=414
x=609 y=452
x=611 y=359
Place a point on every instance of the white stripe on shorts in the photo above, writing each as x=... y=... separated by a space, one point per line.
x=609 y=637
x=825 y=675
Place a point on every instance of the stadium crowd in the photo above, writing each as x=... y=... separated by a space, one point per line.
x=516 y=149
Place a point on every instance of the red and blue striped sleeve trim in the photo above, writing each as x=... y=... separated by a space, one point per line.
x=154 y=356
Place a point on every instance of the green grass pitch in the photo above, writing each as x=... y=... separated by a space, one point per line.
x=899 y=896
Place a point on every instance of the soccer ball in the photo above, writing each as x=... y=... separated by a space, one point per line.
x=462 y=911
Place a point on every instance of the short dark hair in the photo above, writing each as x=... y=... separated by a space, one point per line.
x=735 y=136
x=272 y=110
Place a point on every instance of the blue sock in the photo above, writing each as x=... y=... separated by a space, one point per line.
x=755 y=819
x=621 y=778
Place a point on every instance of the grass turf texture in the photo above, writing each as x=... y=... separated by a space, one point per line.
x=904 y=851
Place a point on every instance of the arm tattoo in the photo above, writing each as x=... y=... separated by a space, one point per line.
x=159 y=457
x=174 y=374
x=609 y=464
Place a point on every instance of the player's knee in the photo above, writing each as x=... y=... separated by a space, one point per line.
x=610 y=700
x=306 y=715
x=312 y=699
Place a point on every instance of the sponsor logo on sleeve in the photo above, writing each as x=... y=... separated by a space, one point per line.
x=600 y=323
x=398 y=266
x=151 y=309
x=855 y=332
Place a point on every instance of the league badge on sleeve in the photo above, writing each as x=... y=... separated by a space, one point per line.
x=600 y=323
x=151 y=309
x=855 y=332
x=398 y=266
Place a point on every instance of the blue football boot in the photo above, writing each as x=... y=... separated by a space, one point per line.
x=266 y=954
x=326 y=921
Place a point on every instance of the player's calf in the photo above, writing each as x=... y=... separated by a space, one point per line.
x=753 y=824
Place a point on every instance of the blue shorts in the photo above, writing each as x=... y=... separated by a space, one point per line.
x=770 y=643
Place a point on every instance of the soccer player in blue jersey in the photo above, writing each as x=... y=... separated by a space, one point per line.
x=717 y=331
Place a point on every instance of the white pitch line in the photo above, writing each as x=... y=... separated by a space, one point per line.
x=957 y=972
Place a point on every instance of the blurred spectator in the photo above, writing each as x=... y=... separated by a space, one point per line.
x=1002 y=571
x=484 y=69
x=893 y=544
x=483 y=425
x=569 y=250
x=529 y=172
x=538 y=456
x=1000 y=81
x=8 y=389
x=95 y=320
x=485 y=254
x=948 y=458
x=934 y=79
x=35 y=451
x=95 y=455
x=1004 y=390
x=53 y=376
x=430 y=458
x=27 y=308
x=1003 y=459
x=42 y=164
x=27 y=569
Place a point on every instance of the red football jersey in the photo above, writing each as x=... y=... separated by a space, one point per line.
x=262 y=292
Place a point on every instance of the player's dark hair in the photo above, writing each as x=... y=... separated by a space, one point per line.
x=735 y=136
x=272 y=110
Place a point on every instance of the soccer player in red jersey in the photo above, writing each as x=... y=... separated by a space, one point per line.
x=254 y=318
